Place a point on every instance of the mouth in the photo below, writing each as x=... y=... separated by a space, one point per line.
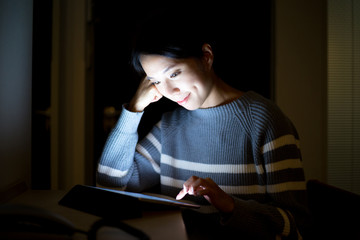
x=182 y=102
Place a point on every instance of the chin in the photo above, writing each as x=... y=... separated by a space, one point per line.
x=191 y=107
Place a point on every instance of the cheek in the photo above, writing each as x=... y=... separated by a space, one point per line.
x=194 y=80
x=200 y=84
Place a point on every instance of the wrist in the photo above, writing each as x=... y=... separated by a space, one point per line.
x=227 y=214
x=229 y=208
x=133 y=107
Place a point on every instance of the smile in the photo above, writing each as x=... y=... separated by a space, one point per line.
x=182 y=102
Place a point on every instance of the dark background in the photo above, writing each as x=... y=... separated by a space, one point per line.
x=41 y=94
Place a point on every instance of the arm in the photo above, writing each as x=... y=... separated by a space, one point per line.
x=276 y=147
x=124 y=162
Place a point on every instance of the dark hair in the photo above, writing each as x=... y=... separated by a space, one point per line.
x=169 y=36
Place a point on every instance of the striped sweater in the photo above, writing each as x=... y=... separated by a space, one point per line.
x=248 y=147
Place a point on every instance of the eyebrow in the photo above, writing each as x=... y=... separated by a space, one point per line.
x=169 y=67
x=164 y=71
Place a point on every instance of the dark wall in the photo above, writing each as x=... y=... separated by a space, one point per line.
x=15 y=91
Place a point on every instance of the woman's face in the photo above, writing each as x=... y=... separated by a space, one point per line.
x=185 y=81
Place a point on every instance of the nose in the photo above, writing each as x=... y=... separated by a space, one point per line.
x=171 y=88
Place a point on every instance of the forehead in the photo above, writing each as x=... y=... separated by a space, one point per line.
x=158 y=64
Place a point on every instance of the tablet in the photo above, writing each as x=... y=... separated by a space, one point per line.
x=105 y=202
x=153 y=199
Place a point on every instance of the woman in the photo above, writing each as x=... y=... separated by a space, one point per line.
x=234 y=152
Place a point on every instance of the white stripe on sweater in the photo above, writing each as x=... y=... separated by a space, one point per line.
x=280 y=142
x=112 y=172
x=284 y=164
x=154 y=141
x=211 y=168
x=147 y=155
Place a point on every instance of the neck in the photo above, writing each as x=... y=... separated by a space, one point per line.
x=221 y=93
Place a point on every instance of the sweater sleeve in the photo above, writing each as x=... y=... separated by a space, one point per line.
x=124 y=162
x=276 y=150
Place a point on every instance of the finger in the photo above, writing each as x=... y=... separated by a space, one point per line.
x=186 y=187
x=197 y=190
x=205 y=194
x=157 y=97
x=198 y=184
x=201 y=191
x=156 y=94
x=181 y=194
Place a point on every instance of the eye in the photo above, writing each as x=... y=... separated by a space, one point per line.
x=175 y=74
x=153 y=81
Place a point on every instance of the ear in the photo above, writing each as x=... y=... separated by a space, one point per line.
x=208 y=56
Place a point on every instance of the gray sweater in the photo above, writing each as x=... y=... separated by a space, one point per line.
x=248 y=147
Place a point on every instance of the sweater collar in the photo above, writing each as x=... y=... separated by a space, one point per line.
x=223 y=110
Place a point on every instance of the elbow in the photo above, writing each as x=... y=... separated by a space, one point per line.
x=104 y=180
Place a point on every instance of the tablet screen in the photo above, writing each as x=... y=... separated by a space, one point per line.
x=149 y=198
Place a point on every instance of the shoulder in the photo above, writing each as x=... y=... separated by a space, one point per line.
x=265 y=116
x=259 y=105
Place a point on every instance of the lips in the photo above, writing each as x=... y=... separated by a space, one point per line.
x=182 y=102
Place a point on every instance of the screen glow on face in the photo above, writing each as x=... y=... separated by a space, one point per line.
x=181 y=80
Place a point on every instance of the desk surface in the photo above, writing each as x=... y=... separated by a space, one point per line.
x=158 y=225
